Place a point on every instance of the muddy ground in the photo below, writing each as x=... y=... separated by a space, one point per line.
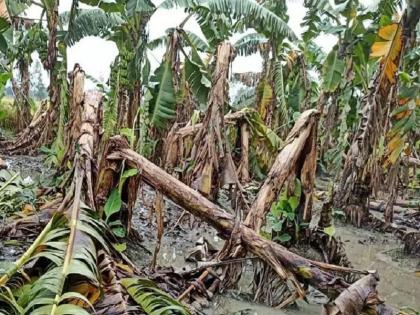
x=369 y=250
x=400 y=285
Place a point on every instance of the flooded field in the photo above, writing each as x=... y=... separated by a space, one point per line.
x=368 y=250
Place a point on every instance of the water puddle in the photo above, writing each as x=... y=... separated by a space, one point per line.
x=400 y=286
x=382 y=252
x=229 y=306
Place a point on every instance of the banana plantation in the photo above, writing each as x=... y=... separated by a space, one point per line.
x=183 y=184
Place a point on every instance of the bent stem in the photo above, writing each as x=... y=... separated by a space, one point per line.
x=11 y=179
x=26 y=256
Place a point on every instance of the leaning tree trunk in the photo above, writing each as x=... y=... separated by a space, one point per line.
x=297 y=158
x=209 y=153
x=287 y=265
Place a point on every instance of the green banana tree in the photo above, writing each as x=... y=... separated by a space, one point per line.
x=361 y=177
x=343 y=70
x=215 y=19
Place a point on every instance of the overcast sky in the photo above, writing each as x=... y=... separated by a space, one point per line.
x=95 y=54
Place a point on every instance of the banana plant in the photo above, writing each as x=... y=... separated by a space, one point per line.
x=389 y=47
x=343 y=70
x=67 y=247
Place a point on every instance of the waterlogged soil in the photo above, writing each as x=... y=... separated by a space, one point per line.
x=29 y=166
x=399 y=285
x=33 y=169
x=368 y=250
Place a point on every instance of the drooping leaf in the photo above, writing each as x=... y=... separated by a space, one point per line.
x=255 y=15
x=106 y=5
x=162 y=105
x=197 y=77
x=244 y=99
x=279 y=90
x=170 y=4
x=91 y=22
x=196 y=42
x=139 y=6
x=333 y=71
x=249 y=44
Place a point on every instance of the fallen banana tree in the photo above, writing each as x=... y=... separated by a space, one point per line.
x=37 y=133
x=72 y=267
x=287 y=264
x=360 y=298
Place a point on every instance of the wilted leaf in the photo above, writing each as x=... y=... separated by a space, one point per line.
x=28 y=209
x=265 y=96
x=388 y=49
x=333 y=71
x=205 y=182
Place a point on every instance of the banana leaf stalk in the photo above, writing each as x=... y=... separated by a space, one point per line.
x=7 y=183
x=73 y=230
x=27 y=255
